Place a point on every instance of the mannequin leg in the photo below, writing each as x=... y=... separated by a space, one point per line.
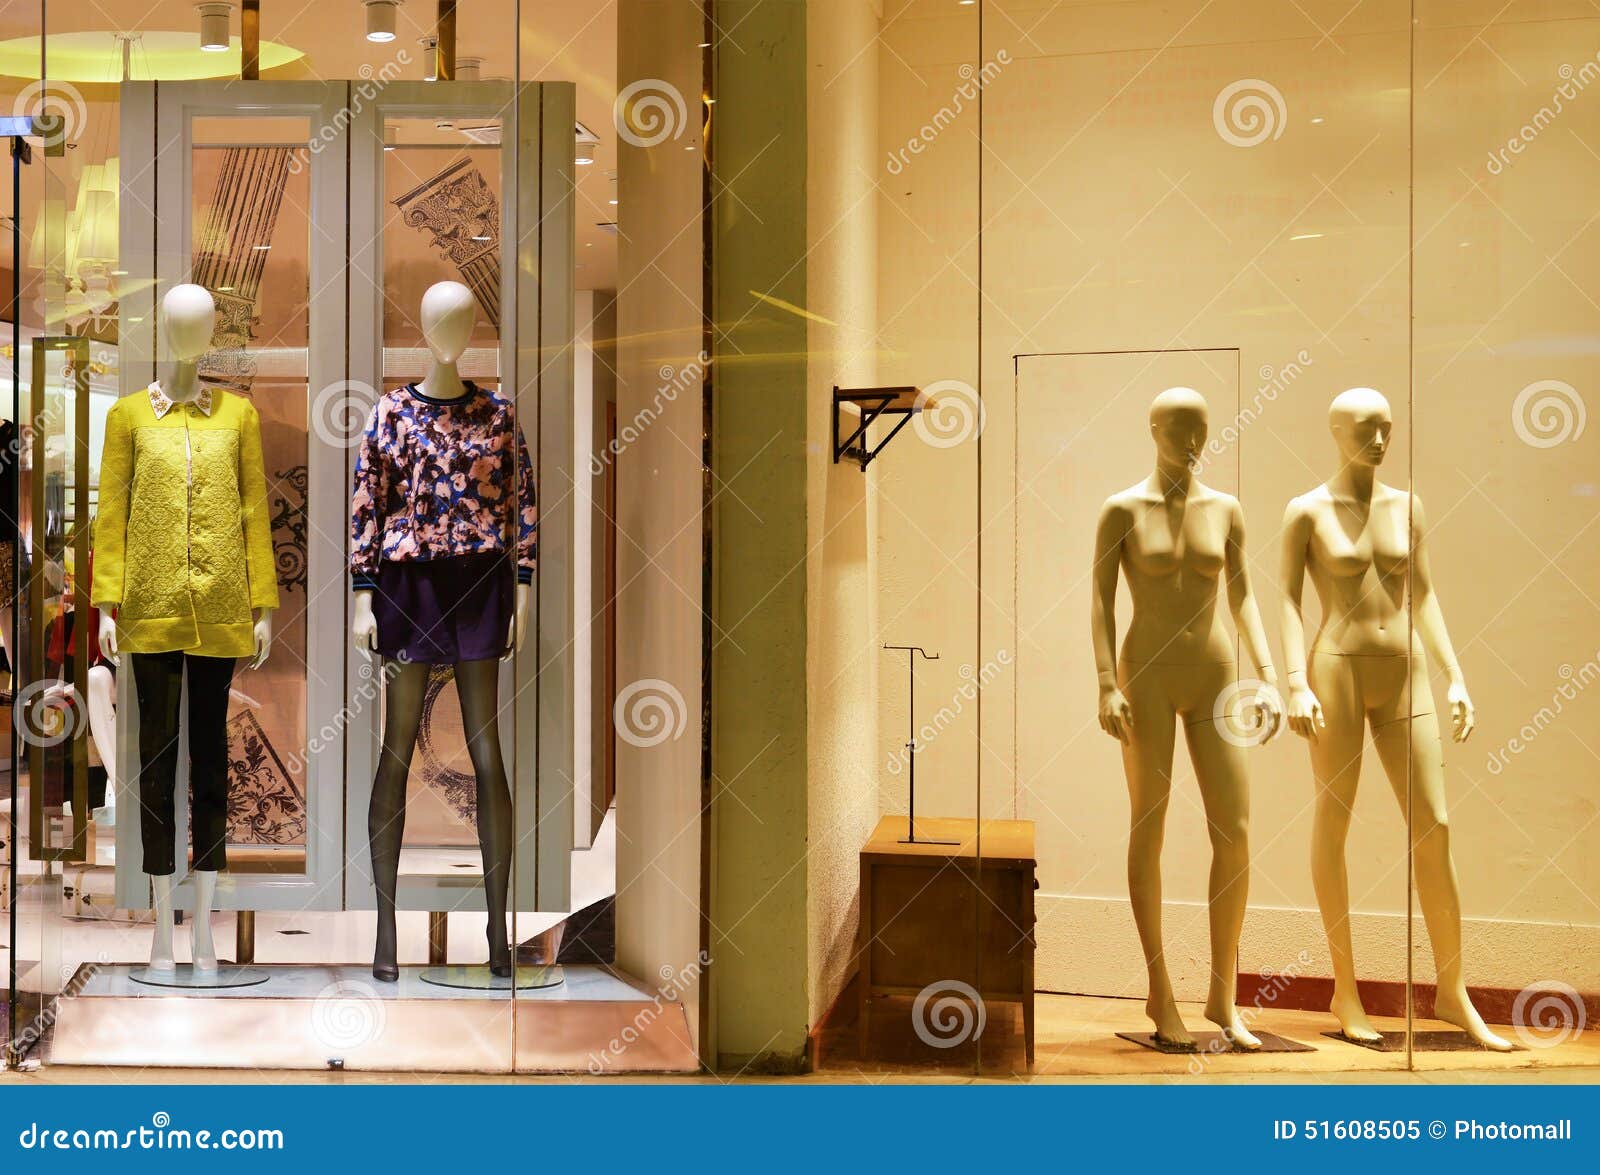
x=1147 y=762
x=386 y=816
x=1415 y=744
x=477 y=685
x=202 y=950
x=161 y=957
x=1224 y=789
x=103 y=729
x=1336 y=765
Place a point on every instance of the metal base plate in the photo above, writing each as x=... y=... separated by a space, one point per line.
x=482 y=979
x=1214 y=1042
x=189 y=979
x=1424 y=1040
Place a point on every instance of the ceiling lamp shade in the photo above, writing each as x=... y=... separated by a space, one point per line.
x=469 y=69
x=214 y=26
x=381 y=19
x=584 y=153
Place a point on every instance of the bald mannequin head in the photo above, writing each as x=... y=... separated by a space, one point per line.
x=1178 y=423
x=1361 y=422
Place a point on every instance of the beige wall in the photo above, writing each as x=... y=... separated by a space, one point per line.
x=842 y=657
x=1118 y=218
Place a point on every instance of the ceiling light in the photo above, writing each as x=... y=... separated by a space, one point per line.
x=1306 y=237
x=613 y=200
x=583 y=153
x=468 y=69
x=430 y=58
x=391 y=137
x=380 y=19
x=214 y=26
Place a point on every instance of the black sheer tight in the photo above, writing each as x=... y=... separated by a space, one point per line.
x=477 y=686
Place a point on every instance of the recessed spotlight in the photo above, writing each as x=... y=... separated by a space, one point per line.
x=703 y=45
x=224 y=289
x=381 y=19
x=214 y=26
x=391 y=138
x=583 y=153
x=483 y=238
x=1318 y=121
x=1305 y=237
x=261 y=248
x=612 y=200
x=469 y=69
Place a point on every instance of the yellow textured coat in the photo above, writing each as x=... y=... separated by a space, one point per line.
x=183 y=541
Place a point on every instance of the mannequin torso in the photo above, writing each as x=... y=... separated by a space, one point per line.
x=1358 y=554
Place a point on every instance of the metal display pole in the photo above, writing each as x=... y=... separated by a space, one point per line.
x=914 y=651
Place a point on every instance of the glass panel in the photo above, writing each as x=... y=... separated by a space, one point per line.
x=1507 y=259
x=251 y=225
x=1200 y=196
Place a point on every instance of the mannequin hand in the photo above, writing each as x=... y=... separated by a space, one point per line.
x=1116 y=715
x=108 y=637
x=262 y=632
x=519 y=619
x=364 y=625
x=1305 y=712
x=1462 y=716
x=1268 y=705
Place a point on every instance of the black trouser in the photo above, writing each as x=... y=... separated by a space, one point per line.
x=158 y=678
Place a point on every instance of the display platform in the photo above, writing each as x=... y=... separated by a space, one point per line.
x=480 y=978
x=1450 y=1040
x=319 y=1017
x=1216 y=1042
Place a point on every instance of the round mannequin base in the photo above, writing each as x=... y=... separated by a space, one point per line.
x=186 y=976
x=480 y=978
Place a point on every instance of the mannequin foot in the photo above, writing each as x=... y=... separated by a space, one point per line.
x=1352 y=1017
x=384 y=967
x=1169 y=1025
x=1225 y=1016
x=500 y=959
x=202 y=949
x=161 y=957
x=1456 y=1008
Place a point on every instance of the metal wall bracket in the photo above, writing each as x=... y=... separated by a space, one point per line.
x=872 y=404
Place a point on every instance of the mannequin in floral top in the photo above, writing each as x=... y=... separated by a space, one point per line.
x=443 y=527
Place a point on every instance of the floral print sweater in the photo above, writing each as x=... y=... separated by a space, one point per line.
x=434 y=479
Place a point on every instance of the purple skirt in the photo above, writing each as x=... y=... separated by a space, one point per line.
x=440 y=611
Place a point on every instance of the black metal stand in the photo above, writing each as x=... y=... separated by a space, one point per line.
x=911 y=837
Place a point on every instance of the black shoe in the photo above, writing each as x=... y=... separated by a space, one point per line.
x=386 y=972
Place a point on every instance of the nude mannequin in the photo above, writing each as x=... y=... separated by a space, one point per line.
x=1361 y=541
x=188 y=319
x=448 y=313
x=1178 y=542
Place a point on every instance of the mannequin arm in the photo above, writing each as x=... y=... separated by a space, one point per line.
x=363 y=624
x=1116 y=715
x=108 y=634
x=1305 y=712
x=1247 y=619
x=519 y=619
x=1429 y=619
x=263 y=637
